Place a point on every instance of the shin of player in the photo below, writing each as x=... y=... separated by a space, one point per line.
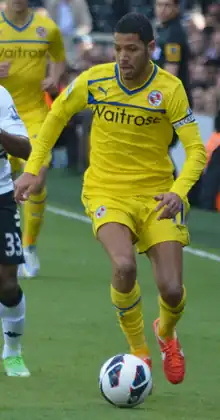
x=166 y=260
x=169 y=280
x=34 y=210
x=125 y=290
x=12 y=313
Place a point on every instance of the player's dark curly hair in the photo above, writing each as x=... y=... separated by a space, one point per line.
x=136 y=23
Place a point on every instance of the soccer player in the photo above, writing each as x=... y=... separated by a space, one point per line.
x=128 y=190
x=27 y=40
x=13 y=140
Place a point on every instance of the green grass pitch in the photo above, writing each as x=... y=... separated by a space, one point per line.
x=72 y=329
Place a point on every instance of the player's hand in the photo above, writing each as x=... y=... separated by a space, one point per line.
x=49 y=84
x=25 y=185
x=4 y=69
x=170 y=203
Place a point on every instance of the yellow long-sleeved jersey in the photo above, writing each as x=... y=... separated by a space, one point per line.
x=131 y=132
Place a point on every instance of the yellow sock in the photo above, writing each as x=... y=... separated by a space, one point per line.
x=170 y=316
x=129 y=312
x=33 y=217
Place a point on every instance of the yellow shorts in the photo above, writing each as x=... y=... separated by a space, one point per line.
x=138 y=214
x=18 y=164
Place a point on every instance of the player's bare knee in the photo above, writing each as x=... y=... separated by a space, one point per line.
x=172 y=293
x=125 y=271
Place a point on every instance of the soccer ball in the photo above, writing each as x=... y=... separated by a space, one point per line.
x=125 y=380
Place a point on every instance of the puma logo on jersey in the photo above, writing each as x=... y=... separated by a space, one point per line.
x=105 y=91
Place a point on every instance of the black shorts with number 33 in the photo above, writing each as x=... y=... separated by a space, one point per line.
x=11 y=252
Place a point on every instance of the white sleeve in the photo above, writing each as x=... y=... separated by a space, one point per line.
x=9 y=118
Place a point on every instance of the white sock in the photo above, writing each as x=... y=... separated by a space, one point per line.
x=13 y=320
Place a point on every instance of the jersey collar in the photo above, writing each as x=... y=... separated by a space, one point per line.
x=133 y=91
x=18 y=28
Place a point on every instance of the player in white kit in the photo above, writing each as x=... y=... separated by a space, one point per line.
x=14 y=141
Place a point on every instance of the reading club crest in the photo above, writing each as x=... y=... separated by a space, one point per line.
x=100 y=212
x=155 y=98
x=41 y=31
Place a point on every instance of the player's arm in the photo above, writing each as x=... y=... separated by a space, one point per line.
x=187 y=129
x=173 y=53
x=183 y=121
x=15 y=145
x=13 y=134
x=57 y=59
x=72 y=100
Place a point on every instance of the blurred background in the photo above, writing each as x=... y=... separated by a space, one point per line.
x=87 y=27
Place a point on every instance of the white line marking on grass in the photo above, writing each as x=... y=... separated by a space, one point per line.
x=202 y=254
x=84 y=219
x=68 y=214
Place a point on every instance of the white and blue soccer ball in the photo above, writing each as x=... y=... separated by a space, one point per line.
x=125 y=381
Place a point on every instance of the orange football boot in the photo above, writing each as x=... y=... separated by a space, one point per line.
x=172 y=356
